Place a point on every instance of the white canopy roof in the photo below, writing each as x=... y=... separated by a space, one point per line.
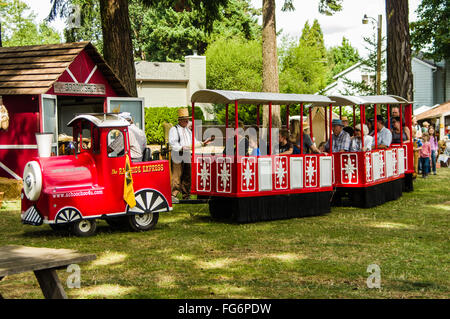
x=224 y=97
x=102 y=120
x=369 y=99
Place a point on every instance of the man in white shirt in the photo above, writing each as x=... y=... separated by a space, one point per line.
x=138 y=140
x=180 y=141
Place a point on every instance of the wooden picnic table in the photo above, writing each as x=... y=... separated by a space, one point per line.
x=43 y=262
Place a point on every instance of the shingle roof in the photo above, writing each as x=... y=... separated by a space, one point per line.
x=34 y=69
x=161 y=71
x=437 y=111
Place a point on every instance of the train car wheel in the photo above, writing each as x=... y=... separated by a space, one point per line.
x=84 y=227
x=143 y=222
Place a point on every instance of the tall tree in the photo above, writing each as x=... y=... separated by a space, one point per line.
x=303 y=63
x=399 y=73
x=431 y=31
x=117 y=44
x=342 y=57
x=116 y=29
x=19 y=26
x=269 y=48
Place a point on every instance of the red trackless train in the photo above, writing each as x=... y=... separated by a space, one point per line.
x=72 y=191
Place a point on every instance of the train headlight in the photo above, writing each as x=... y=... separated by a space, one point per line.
x=32 y=181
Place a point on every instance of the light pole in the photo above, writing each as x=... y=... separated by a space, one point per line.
x=365 y=20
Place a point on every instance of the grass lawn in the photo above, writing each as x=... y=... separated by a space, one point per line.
x=188 y=255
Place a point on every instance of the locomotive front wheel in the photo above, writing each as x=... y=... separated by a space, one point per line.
x=143 y=222
x=84 y=227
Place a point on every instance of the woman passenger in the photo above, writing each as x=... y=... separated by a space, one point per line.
x=396 y=131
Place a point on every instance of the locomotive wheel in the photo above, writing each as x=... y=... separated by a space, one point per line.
x=145 y=214
x=143 y=222
x=84 y=227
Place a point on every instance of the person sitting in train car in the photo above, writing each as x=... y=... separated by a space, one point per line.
x=341 y=139
x=308 y=145
x=243 y=141
x=371 y=127
x=138 y=140
x=347 y=128
x=396 y=131
x=285 y=147
x=384 y=136
x=395 y=112
x=356 y=145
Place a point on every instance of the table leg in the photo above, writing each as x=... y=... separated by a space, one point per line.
x=50 y=285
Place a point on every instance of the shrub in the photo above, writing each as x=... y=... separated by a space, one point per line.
x=156 y=116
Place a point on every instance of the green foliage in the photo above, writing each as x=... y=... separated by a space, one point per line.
x=19 y=27
x=162 y=31
x=234 y=64
x=342 y=57
x=303 y=65
x=91 y=26
x=431 y=31
x=155 y=117
x=369 y=66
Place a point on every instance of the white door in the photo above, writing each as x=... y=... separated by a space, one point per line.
x=50 y=118
x=133 y=105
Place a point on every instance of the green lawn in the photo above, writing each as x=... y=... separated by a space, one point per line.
x=190 y=256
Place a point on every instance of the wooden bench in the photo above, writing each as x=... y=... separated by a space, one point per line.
x=43 y=262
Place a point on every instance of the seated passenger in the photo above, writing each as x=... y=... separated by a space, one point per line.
x=356 y=145
x=396 y=131
x=341 y=139
x=308 y=145
x=347 y=128
x=384 y=136
x=285 y=147
x=242 y=140
x=253 y=143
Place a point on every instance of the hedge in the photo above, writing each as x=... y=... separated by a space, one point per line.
x=156 y=116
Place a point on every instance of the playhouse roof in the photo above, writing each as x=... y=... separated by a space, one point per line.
x=34 y=69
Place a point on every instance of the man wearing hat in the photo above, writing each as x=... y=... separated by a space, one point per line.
x=341 y=139
x=384 y=136
x=138 y=140
x=180 y=141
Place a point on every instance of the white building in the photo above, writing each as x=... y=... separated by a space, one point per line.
x=172 y=84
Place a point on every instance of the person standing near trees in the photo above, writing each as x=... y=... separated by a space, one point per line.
x=180 y=141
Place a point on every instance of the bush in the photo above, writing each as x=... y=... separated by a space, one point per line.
x=156 y=116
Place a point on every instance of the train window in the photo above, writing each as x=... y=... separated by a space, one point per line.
x=116 y=143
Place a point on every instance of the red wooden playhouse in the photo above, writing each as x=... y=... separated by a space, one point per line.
x=370 y=178
x=266 y=187
x=44 y=86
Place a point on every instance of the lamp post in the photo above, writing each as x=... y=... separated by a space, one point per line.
x=365 y=20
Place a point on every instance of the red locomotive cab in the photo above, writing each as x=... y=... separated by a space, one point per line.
x=72 y=191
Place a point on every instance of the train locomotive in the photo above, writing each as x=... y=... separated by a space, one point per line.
x=73 y=191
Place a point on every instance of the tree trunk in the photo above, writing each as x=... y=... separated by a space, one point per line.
x=270 y=61
x=399 y=74
x=117 y=45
